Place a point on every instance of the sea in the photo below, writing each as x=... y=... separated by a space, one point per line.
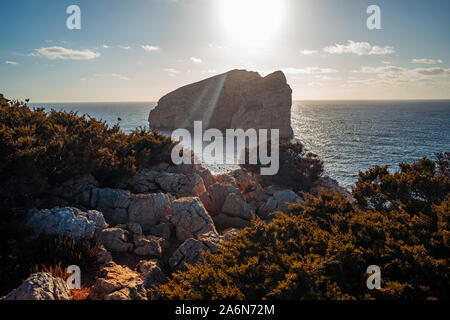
x=349 y=136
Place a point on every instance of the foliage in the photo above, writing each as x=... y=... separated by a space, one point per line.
x=322 y=249
x=299 y=169
x=39 y=150
x=51 y=254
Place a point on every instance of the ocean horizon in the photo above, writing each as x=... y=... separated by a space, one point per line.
x=348 y=135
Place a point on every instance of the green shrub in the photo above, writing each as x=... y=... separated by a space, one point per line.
x=39 y=151
x=48 y=254
x=322 y=249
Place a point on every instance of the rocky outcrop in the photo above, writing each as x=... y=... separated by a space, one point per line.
x=278 y=202
x=121 y=206
x=41 y=286
x=118 y=283
x=237 y=99
x=188 y=253
x=66 y=222
x=115 y=239
x=190 y=218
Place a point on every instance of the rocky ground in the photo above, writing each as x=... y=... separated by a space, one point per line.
x=155 y=223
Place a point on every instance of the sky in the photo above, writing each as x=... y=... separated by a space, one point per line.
x=140 y=50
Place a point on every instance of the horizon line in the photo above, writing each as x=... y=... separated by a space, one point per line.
x=296 y=100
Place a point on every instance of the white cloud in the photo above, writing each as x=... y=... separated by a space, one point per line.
x=105 y=46
x=149 y=48
x=125 y=47
x=171 y=71
x=433 y=71
x=309 y=70
x=65 y=54
x=11 y=62
x=386 y=62
x=358 y=48
x=196 y=60
x=308 y=52
x=112 y=75
x=426 y=61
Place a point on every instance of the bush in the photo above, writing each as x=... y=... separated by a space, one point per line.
x=298 y=169
x=321 y=250
x=46 y=254
x=39 y=151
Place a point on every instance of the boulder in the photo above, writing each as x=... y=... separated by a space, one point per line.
x=188 y=253
x=118 y=283
x=181 y=185
x=143 y=182
x=235 y=206
x=149 y=246
x=163 y=230
x=148 y=209
x=41 y=286
x=113 y=203
x=66 y=222
x=237 y=99
x=190 y=218
x=278 y=202
x=152 y=272
x=216 y=196
x=223 y=222
x=115 y=239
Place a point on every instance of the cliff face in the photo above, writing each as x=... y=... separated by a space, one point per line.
x=237 y=99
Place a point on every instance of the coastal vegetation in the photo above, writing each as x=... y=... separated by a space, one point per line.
x=322 y=248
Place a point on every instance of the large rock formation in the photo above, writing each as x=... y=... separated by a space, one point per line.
x=237 y=99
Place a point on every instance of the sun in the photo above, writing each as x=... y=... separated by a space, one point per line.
x=252 y=22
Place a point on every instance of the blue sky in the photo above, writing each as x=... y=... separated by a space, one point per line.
x=139 y=50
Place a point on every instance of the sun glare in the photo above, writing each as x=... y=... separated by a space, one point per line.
x=252 y=22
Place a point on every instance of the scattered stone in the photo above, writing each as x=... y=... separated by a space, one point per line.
x=118 y=283
x=235 y=206
x=216 y=196
x=113 y=203
x=223 y=222
x=278 y=202
x=163 y=230
x=190 y=218
x=41 y=286
x=115 y=239
x=181 y=185
x=148 y=209
x=188 y=253
x=66 y=221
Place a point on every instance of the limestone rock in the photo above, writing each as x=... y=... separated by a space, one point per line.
x=118 y=283
x=115 y=239
x=41 y=286
x=216 y=196
x=237 y=99
x=235 y=206
x=149 y=246
x=181 y=185
x=190 y=218
x=278 y=202
x=148 y=209
x=189 y=252
x=66 y=222
x=223 y=222
x=113 y=203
